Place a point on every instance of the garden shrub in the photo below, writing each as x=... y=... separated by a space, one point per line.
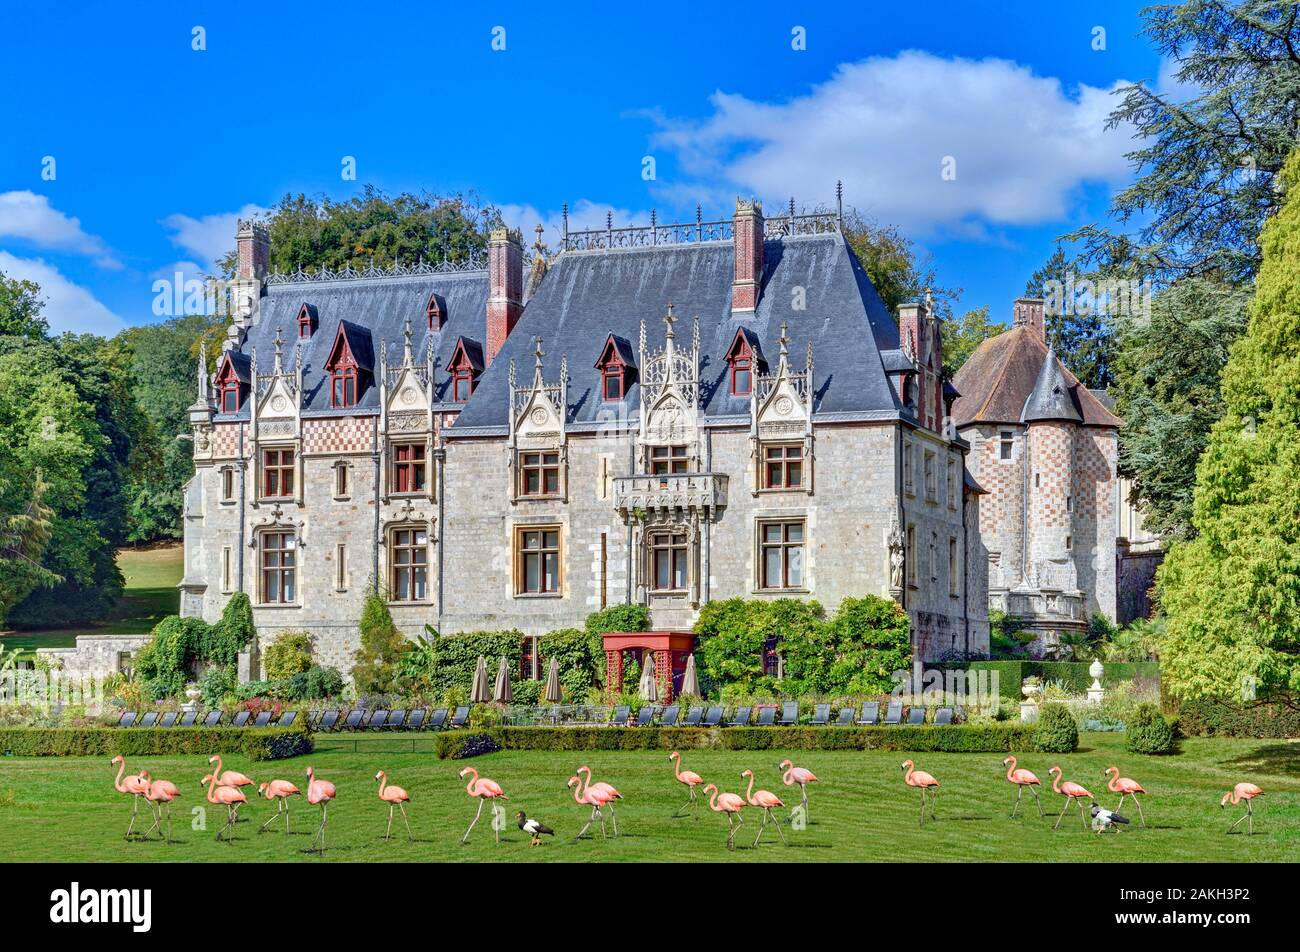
x=456 y=656
x=617 y=618
x=321 y=682
x=998 y=738
x=269 y=743
x=1056 y=731
x=733 y=632
x=179 y=645
x=1148 y=732
x=579 y=655
x=215 y=684
x=1206 y=717
x=376 y=670
x=288 y=655
x=471 y=745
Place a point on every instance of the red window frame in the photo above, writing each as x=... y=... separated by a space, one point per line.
x=669 y=562
x=305 y=326
x=408 y=467
x=410 y=565
x=343 y=385
x=613 y=374
x=742 y=377
x=433 y=311
x=778 y=541
x=230 y=392
x=277 y=473
x=462 y=384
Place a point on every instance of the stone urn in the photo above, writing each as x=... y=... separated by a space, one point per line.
x=1096 y=670
x=1032 y=689
x=192 y=695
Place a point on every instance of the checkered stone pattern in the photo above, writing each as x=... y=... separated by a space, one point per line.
x=225 y=441
x=336 y=435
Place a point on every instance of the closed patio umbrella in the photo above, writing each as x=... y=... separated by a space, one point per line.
x=502 y=694
x=690 y=681
x=649 y=683
x=478 y=691
x=553 y=695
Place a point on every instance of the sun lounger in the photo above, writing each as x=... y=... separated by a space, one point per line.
x=870 y=713
x=353 y=720
x=894 y=713
x=213 y=719
x=789 y=713
x=461 y=717
x=329 y=720
x=767 y=717
x=438 y=719
x=693 y=717
x=415 y=720
x=846 y=717
x=620 y=716
x=127 y=719
x=669 y=717
x=188 y=719
x=168 y=718
x=916 y=715
x=150 y=719
x=313 y=719
x=377 y=720
x=396 y=719
x=821 y=714
x=943 y=715
x=741 y=717
x=241 y=719
x=645 y=717
x=287 y=719
x=713 y=718
x=263 y=719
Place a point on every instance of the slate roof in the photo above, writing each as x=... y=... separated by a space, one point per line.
x=997 y=381
x=377 y=309
x=1050 y=399
x=588 y=295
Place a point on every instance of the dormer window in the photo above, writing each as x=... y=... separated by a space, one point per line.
x=307 y=321
x=436 y=311
x=616 y=367
x=743 y=359
x=465 y=366
x=348 y=362
x=231 y=389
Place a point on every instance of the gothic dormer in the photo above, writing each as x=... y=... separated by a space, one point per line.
x=744 y=359
x=464 y=368
x=435 y=311
x=539 y=450
x=406 y=422
x=308 y=321
x=617 y=366
x=350 y=365
x=781 y=428
x=231 y=382
x=406 y=388
x=670 y=402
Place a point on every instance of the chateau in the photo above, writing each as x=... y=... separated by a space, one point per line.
x=660 y=415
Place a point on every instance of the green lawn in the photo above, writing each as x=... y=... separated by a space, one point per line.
x=66 y=809
x=151 y=579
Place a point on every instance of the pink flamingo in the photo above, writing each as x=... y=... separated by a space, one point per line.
x=160 y=794
x=1022 y=779
x=395 y=797
x=688 y=777
x=280 y=791
x=1125 y=788
x=593 y=797
x=610 y=794
x=485 y=790
x=768 y=801
x=230 y=797
x=1242 y=791
x=919 y=778
x=136 y=786
x=1072 y=792
x=320 y=792
x=800 y=775
x=230 y=778
x=729 y=803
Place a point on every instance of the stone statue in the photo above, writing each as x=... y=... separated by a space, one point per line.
x=895 y=543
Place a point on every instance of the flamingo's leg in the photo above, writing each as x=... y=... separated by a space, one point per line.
x=156 y=811
x=279 y=805
x=590 y=820
x=1250 y=818
x=1121 y=801
x=613 y=818
x=1034 y=791
x=1068 y=801
x=320 y=831
x=1016 y=806
x=286 y=814
x=495 y=828
x=402 y=807
x=739 y=820
x=778 y=829
x=464 y=838
x=762 y=825
x=388 y=832
x=1139 y=806
x=601 y=813
x=135 y=809
x=923 y=806
x=731 y=829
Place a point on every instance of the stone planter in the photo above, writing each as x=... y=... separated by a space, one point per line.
x=192 y=695
x=1029 y=711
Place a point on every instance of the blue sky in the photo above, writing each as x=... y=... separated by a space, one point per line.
x=156 y=147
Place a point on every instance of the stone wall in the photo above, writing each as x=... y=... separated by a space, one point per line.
x=94 y=654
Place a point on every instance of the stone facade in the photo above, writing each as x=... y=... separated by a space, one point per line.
x=543 y=496
x=95 y=655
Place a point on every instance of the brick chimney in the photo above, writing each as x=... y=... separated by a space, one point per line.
x=747 y=236
x=505 y=288
x=1028 y=312
x=253 y=241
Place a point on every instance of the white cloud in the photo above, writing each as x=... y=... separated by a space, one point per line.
x=1022 y=144
x=210 y=237
x=68 y=306
x=30 y=217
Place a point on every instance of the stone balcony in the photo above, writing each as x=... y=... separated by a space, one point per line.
x=1041 y=609
x=703 y=491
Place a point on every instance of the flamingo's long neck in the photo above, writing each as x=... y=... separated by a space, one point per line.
x=713 y=801
x=786 y=777
x=577 y=792
x=585 y=782
x=1056 y=781
x=1112 y=783
x=212 y=789
x=677 y=766
x=907 y=777
x=749 y=794
x=383 y=782
x=473 y=780
x=1012 y=768
x=121 y=768
x=216 y=774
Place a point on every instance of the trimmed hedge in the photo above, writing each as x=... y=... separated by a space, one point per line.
x=270 y=743
x=993 y=738
x=1147 y=732
x=1012 y=674
x=1210 y=718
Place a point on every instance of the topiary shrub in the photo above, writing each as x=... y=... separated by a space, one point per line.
x=1148 y=732
x=288 y=655
x=377 y=660
x=1057 y=733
